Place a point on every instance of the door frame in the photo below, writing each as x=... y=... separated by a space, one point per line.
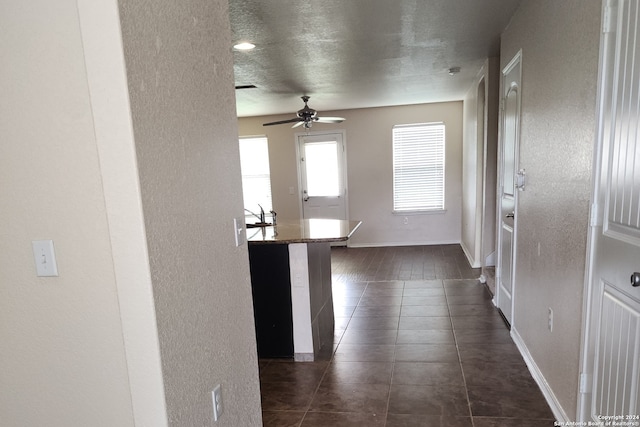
x=481 y=168
x=516 y=60
x=297 y=137
x=596 y=211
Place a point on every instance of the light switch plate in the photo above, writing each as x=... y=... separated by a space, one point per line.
x=238 y=228
x=45 y=258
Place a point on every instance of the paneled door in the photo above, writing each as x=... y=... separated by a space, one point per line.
x=322 y=175
x=611 y=376
x=508 y=195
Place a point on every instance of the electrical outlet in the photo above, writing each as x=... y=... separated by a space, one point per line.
x=550 y=319
x=216 y=395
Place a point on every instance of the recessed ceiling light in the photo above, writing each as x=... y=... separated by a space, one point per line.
x=244 y=46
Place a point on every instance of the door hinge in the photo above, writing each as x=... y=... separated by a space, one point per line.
x=585 y=383
x=609 y=19
x=595 y=218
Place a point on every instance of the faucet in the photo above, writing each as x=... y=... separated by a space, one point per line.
x=260 y=217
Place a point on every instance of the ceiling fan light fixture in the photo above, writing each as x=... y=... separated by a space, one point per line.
x=306 y=116
x=244 y=46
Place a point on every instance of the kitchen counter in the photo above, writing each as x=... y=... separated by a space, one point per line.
x=291 y=285
x=304 y=231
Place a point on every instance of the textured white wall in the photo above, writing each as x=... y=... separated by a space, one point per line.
x=62 y=357
x=559 y=42
x=180 y=75
x=369 y=170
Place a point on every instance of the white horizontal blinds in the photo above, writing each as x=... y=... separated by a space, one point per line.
x=418 y=167
x=256 y=176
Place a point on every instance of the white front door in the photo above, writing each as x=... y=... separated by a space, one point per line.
x=508 y=195
x=611 y=376
x=322 y=175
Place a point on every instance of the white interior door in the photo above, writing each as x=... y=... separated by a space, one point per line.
x=611 y=374
x=322 y=175
x=510 y=131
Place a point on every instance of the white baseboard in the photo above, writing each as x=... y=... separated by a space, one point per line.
x=554 y=404
x=383 y=244
x=472 y=262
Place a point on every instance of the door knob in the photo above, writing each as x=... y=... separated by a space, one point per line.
x=511 y=215
x=635 y=279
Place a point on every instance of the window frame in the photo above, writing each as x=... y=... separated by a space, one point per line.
x=434 y=158
x=268 y=205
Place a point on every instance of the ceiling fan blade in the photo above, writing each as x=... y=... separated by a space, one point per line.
x=280 y=122
x=300 y=123
x=330 y=119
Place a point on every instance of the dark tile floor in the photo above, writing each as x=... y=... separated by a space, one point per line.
x=417 y=343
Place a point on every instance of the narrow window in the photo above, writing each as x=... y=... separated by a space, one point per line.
x=256 y=176
x=418 y=167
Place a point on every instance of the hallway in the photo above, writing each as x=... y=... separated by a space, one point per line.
x=417 y=343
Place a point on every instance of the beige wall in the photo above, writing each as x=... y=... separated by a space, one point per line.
x=369 y=170
x=148 y=314
x=559 y=42
x=62 y=355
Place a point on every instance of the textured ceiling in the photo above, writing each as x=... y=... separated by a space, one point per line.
x=361 y=53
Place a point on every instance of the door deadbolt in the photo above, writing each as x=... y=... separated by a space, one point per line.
x=635 y=279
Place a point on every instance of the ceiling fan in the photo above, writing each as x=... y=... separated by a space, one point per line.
x=306 y=117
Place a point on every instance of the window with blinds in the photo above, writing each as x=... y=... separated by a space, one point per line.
x=418 y=167
x=256 y=176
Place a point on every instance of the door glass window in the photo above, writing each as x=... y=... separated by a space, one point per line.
x=321 y=164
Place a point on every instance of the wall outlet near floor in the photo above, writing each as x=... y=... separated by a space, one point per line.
x=550 y=319
x=216 y=395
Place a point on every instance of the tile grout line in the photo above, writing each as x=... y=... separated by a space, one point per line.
x=393 y=361
x=455 y=339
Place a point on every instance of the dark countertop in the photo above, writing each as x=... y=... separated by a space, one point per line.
x=303 y=231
